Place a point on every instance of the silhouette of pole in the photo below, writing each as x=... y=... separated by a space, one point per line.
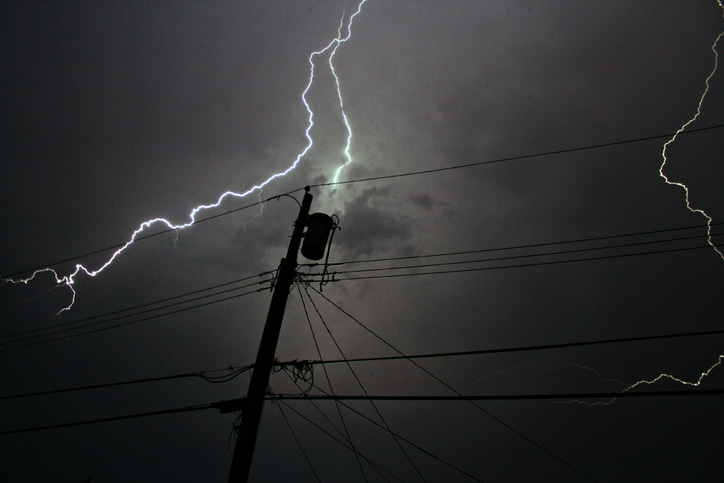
x=251 y=413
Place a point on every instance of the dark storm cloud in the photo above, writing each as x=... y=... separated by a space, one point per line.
x=115 y=112
x=369 y=228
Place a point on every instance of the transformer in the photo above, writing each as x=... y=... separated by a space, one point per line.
x=315 y=238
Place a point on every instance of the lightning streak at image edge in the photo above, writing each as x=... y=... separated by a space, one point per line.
x=69 y=280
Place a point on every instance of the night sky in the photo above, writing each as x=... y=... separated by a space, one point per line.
x=113 y=113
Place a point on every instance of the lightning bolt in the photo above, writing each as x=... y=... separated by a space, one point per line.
x=681 y=129
x=69 y=280
x=348 y=156
x=649 y=382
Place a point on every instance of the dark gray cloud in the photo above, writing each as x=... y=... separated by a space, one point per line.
x=117 y=112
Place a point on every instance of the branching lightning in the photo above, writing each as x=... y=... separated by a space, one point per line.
x=69 y=280
x=348 y=156
x=703 y=375
x=682 y=129
x=649 y=382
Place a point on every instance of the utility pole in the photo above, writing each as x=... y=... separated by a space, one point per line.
x=251 y=412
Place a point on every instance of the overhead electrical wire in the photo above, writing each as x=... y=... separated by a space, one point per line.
x=392 y=176
x=339 y=441
x=533 y=255
x=16 y=340
x=538 y=245
x=503 y=350
x=331 y=276
x=203 y=374
x=124 y=324
x=387 y=429
x=347 y=436
x=345 y=441
x=296 y=440
x=233 y=372
x=199 y=407
x=144 y=237
x=143 y=305
x=468 y=398
x=517 y=158
x=359 y=382
x=504 y=397
x=452 y=389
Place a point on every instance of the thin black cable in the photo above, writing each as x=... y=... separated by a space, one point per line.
x=503 y=267
x=347 y=435
x=512 y=257
x=140 y=306
x=281 y=397
x=152 y=317
x=326 y=374
x=234 y=372
x=562 y=345
x=528 y=255
x=144 y=237
x=359 y=382
x=520 y=247
x=517 y=349
x=56 y=327
x=488 y=413
x=326 y=418
x=419 y=448
x=299 y=444
x=515 y=158
x=371 y=463
x=200 y=407
x=507 y=397
x=399 y=175
x=295 y=381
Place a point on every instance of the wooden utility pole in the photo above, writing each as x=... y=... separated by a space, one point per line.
x=251 y=412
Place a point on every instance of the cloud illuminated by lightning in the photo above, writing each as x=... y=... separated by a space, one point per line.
x=69 y=280
x=681 y=129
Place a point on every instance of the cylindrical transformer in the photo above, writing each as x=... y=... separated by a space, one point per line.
x=315 y=238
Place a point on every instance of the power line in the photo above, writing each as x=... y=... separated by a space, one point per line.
x=233 y=373
x=221 y=405
x=536 y=245
x=144 y=237
x=347 y=436
x=452 y=389
x=397 y=436
x=299 y=444
x=200 y=407
x=531 y=255
x=502 y=267
x=502 y=397
x=203 y=374
x=516 y=158
x=513 y=349
x=145 y=319
x=147 y=304
x=398 y=175
x=334 y=438
x=539 y=245
x=359 y=382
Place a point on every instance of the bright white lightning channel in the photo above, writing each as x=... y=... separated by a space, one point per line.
x=649 y=382
x=704 y=374
x=69 y=280
x=682 y=128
